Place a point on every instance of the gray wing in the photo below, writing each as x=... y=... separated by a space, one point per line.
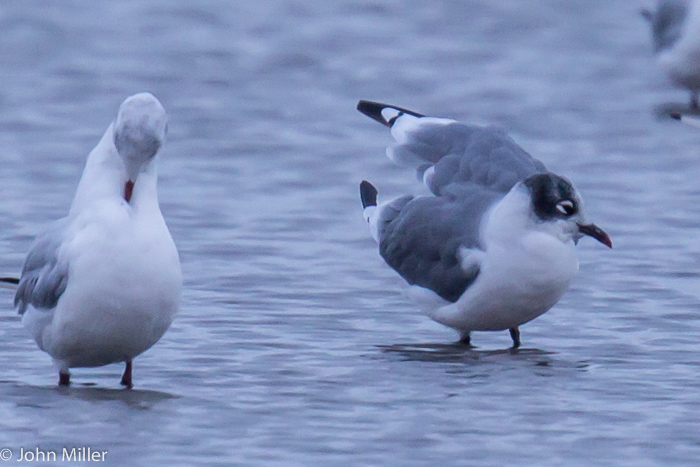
x=461 y=154
x=421 y=237
x=667 y=22
x=468 y=168
x=44 y=277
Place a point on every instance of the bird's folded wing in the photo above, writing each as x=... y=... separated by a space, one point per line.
x=44 y=276
x=446 y=153
x=422 y=239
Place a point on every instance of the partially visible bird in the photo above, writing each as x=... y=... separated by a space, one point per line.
x=675 y=29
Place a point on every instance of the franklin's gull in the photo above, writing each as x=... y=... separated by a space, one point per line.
x=492 y=247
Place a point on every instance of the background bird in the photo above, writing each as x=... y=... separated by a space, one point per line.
x=675 y=29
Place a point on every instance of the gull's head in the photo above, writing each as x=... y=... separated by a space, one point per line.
x=558 y=209
x=139 y=132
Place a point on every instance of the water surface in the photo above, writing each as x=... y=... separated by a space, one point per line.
x=295 y=344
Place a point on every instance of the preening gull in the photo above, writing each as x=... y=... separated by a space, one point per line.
x=492 y=246
x=103 y=284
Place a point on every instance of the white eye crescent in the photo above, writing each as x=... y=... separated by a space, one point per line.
x=565 y=207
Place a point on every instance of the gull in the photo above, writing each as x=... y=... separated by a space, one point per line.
x=103 y=284
x=675 y=29
x=492 y=246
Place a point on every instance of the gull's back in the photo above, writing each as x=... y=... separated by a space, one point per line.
x=453 y=155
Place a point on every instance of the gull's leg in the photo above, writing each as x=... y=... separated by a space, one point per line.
x=693 y=100
x=126 y=377
x=466 y=339
x=63 y=377
x=515 y=335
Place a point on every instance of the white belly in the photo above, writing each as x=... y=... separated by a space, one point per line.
x=515 y=285
x=123 y=292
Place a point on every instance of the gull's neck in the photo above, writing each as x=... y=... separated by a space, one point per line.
x=512 y=219
x=104 y=177
x=508 y=219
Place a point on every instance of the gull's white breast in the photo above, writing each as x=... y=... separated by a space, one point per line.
x=124 y=285
x=525 y=269
x=517 y=284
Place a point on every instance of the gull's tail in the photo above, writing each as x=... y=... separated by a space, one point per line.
x=420 y=141
x=368 y=195
x=379 y=216
x=9 y=282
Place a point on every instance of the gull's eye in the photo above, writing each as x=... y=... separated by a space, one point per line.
x=566 y=207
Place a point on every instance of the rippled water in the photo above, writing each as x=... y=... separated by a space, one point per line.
x=294 y=344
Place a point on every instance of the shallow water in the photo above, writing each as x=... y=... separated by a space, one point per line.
x=294 y=344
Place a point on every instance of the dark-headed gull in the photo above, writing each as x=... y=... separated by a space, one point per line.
x=103 y=284
x=675 y=29
x=493 y=246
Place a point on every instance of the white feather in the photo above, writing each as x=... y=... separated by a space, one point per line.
x=526 y=267
x=124 y=280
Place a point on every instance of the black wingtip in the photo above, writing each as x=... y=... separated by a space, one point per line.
x=368 y=194
x=10 y=280
x=374 y=111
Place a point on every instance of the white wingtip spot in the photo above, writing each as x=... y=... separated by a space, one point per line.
x=388 y=113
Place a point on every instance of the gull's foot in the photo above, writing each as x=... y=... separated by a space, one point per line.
x=515 y=335
x=126 y=377
x=63 y=378
x=466 y=339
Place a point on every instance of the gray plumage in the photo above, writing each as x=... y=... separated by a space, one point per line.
x=667 y=22
x=44 y=277
x=421 y=237
x=463 y=155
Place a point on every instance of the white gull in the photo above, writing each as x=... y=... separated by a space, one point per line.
x=103 y=284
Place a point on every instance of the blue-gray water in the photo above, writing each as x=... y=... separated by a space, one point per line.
x=294 y=344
